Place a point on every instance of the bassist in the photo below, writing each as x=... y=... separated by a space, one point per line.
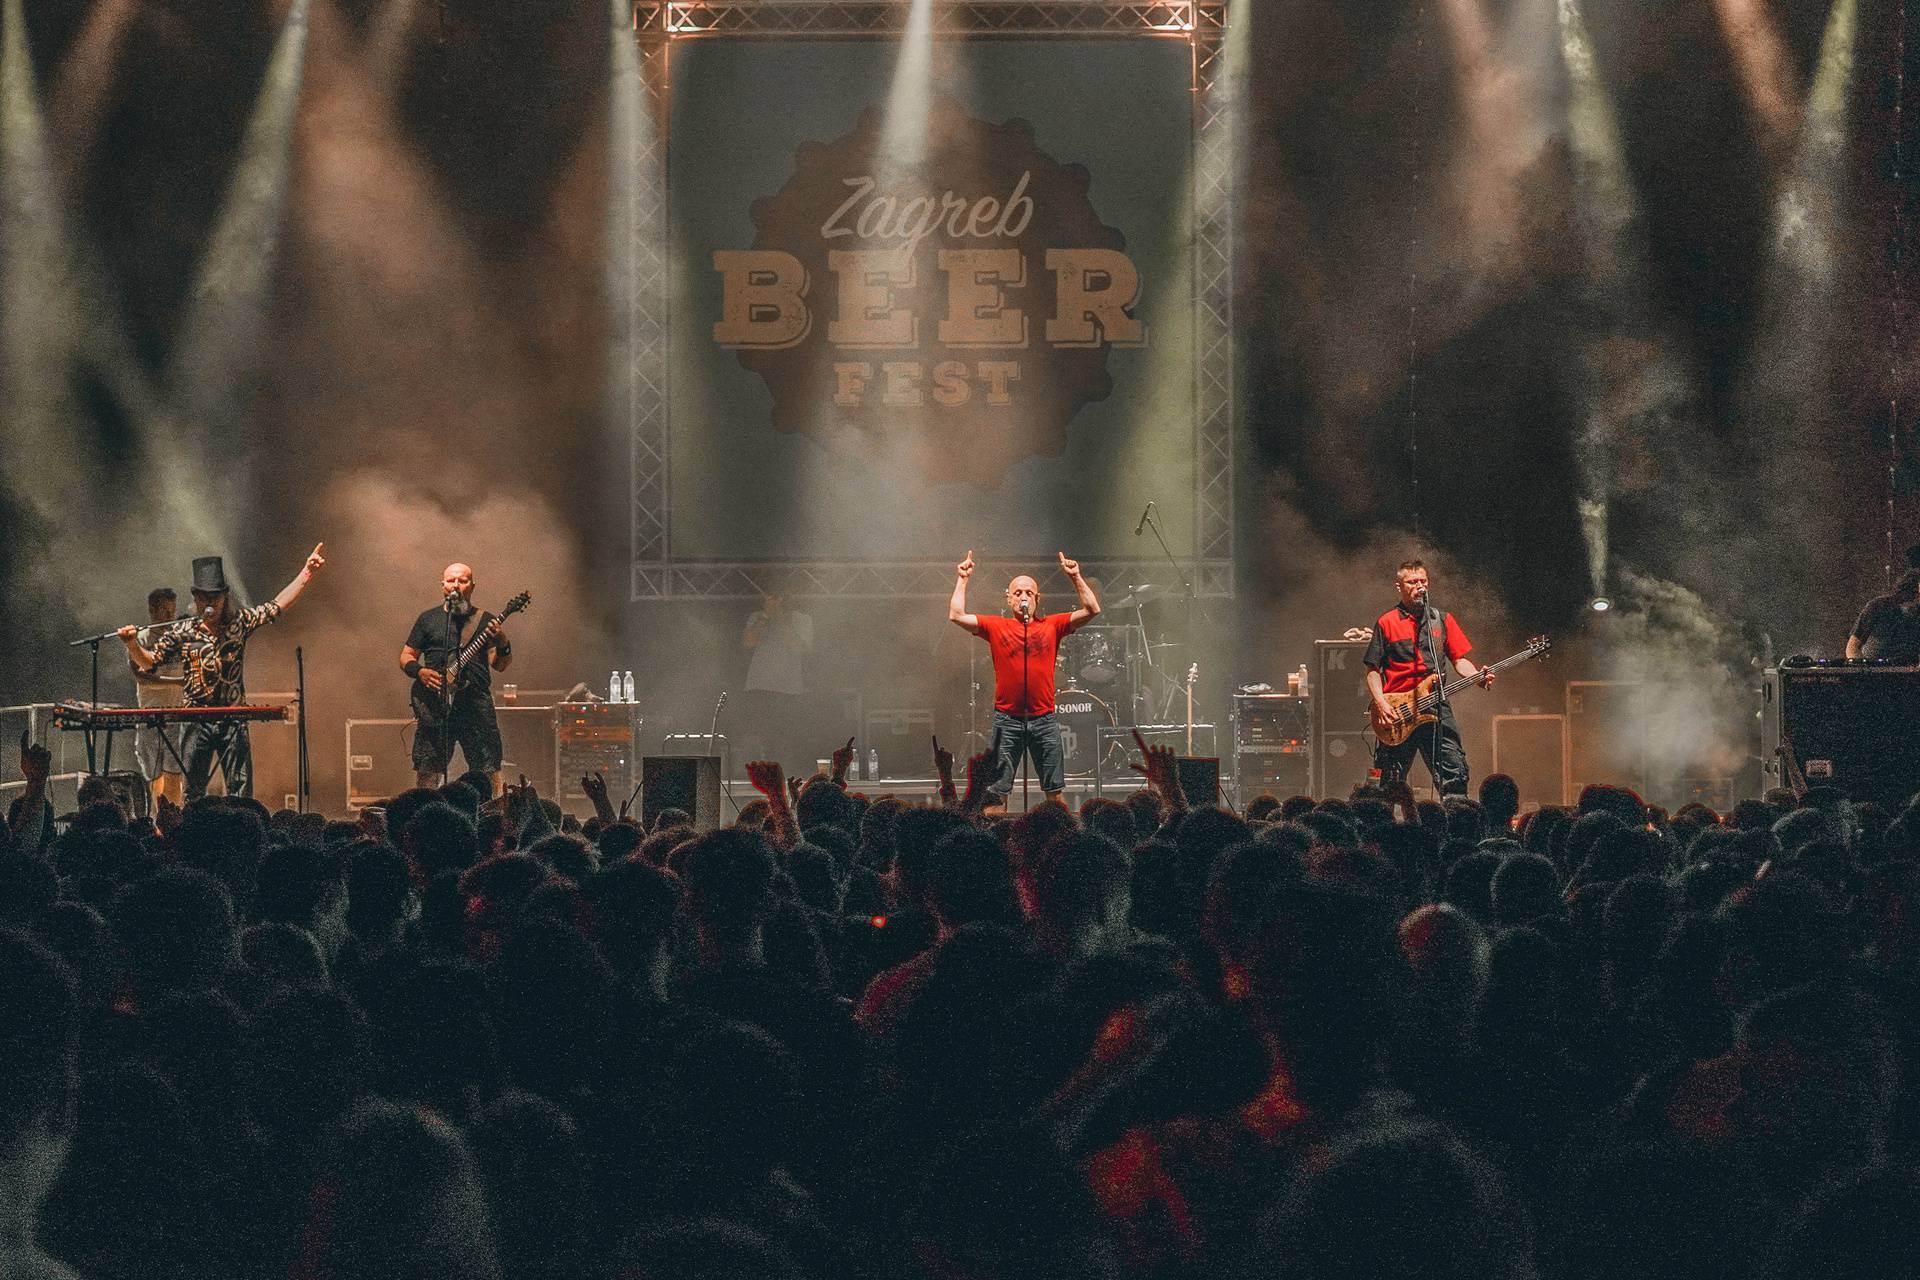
x=454 y=707
x=1410 y=641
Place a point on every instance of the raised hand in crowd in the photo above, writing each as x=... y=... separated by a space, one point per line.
x=594 y=785
x=1162 y=772
x=979 y=778
x=36 y=763
x=167 y=815
x=943 y=770
x=31 y=818
x=770 y=780
x=842 y=760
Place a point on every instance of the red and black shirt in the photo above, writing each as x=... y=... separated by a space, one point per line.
x=1398 y=654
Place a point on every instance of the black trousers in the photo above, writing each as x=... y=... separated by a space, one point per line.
x=1038 y=736
x=201 y=743
x=471 y=725
x=1446 y=758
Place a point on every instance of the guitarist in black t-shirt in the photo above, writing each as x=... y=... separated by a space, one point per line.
x=453 y=702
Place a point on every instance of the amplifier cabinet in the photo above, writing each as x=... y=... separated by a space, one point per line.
x=1850 y=727
x=1259 y=770
x=595 y=737
x=1272 y=720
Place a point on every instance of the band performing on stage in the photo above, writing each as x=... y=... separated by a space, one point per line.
x=192 y=712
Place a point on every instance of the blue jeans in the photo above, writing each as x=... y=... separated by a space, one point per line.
x=1038 y=736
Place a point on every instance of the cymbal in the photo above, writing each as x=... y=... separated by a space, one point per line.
x=1141 y=594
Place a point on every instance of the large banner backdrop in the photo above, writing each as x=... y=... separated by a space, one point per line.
x=983 y=337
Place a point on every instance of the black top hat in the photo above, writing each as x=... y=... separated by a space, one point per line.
x=208 y=577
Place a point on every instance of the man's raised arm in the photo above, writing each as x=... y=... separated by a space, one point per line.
x=291 y=592
x=957 y=607
x=1089 y=603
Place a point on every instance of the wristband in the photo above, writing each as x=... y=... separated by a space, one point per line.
x=413 y=668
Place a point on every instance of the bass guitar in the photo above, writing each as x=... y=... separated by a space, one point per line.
x=1408 y=710
x=432 y=706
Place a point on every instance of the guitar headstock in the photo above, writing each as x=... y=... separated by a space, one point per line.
x=516 y=604
x=1193 y=674
x=1539 y=647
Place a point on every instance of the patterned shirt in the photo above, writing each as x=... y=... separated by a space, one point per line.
x=213 y=659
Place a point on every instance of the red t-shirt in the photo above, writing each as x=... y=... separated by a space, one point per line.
x=1033 y=673
x=1400 y=656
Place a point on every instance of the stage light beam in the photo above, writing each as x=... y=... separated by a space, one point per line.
x=903 y=131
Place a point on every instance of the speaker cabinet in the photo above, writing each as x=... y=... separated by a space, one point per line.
x=1850 y=727
x=691 y=783
x=1342 y=743
x=1532 y=750
x=1606 y=735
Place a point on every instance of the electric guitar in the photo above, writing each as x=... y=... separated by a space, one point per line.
x=432 y=706
x=1412 y=708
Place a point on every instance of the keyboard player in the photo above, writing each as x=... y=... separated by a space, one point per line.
x=212 y=646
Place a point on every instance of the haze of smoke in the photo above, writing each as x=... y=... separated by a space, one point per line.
x=1693 y=717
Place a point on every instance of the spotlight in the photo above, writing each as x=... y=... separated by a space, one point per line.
x=1600 y=604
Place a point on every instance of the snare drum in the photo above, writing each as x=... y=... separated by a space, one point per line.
x=1081 y=715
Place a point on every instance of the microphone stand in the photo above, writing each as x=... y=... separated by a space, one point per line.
x=1152 y=521
x=300 y=728
x=93 y=644
x=1427 y=616
x=1026 y=718
x=726 y=787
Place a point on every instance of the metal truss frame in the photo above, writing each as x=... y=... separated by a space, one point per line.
x=658 y=24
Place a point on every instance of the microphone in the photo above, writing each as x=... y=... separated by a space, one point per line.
x=1146 y=515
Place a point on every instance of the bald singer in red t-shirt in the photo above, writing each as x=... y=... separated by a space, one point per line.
x=1023 y=645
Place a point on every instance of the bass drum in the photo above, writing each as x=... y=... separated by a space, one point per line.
x=1081 y=715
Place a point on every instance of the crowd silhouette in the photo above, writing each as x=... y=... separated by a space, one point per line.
x=850 y=1036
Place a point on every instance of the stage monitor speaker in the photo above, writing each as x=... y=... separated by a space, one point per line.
x=1849 y=727
x=1200 y=780
x=1532 y=750
x=691 y=783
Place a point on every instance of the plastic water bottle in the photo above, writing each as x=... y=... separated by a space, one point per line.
x=614 y=689
x=873 y=764
x=626 y=688
x=1302 y=673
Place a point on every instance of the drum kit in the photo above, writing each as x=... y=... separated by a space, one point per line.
x=1109 y=675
